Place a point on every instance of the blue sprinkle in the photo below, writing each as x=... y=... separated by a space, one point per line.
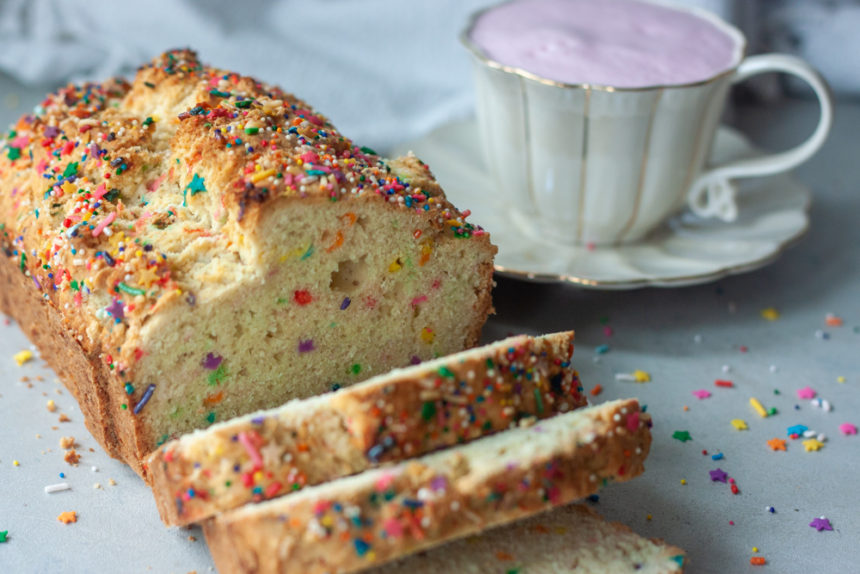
x=361 y=547
x=62 y=475
x=718 y=456
x=345 y=303
x=602 y=349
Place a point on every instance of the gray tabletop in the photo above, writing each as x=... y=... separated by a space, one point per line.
x=685 y=338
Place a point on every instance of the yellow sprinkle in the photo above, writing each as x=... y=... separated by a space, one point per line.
x=755 y=548
x=51 y=406
x=258 y=476
x=758 y=407
x=812 y=444
x=68 y=187
x=22 y=357
x=770 y=314
x=395 y=266
x=427 y=335
x=648 y=517
x=683 y=481
x=840 y=379
x=16 y=463
x=739 y=424
x=641 y=376
x=259 y=176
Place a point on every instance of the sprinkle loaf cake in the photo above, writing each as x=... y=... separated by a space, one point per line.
x=567 y=540
x=391 y=417
x=382 y=514
x=197 y=245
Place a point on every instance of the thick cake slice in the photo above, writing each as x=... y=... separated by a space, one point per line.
x=382 y=514
x=197 y=245
x=568 y=540
x=391 y=417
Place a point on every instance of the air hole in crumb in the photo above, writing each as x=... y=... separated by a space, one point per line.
x=349 y=275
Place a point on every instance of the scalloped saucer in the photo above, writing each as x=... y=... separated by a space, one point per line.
x=686 y=250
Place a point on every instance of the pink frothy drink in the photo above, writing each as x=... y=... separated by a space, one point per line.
x=620 y=43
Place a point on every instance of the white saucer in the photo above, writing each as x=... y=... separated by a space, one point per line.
x=684 y=251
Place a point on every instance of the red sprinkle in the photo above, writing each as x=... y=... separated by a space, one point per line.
x=302 y=297
x=723 y=383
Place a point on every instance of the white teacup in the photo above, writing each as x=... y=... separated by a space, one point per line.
x=594 y=164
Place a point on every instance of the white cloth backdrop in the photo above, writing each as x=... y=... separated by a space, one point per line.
x=384 y=70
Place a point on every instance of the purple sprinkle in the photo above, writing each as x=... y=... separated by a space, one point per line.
x=415 y=360
x=36 y=281
x=144 y=399
x=116 y=310
x=345 y=303
x=306 y=346
x=258 y=420
x=439 y=483
x=212 y=361
x=51 y=131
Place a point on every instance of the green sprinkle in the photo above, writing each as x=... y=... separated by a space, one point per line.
x=130 y=290
x=74 y=285
x=356 y=368
x=4 y=535
x=71 y=169
x=315 y=172
x=211 y=417
x=679 y=559
x=124 y=406
x=162 y=440
x=148 y=121
x=367 y=150
x=308 y=253
x=446 y=372
x=244 y=104
x=219 y=94
x=252 y=131
x=13 y=153
x=149 y=84
x=487 y=426
x=281 y=301
x=539 y=401
x=428 y=410
x=112 y=195
x=218 y=375
x=228 y=484
x=23 y=262
x=129 y=389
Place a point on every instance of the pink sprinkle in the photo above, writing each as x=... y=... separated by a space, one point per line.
x=633 y=421
x=104 y=223
x=154 y=184
x=393 y=528
x=252 y=451
x=607 y=330
x=20 y=141
x=806 y=393
x=847 y=429
x=702 y=394
x=100 y=191
x=418 y=300
x=42 y=166
x=309 y=157
x=384 y=481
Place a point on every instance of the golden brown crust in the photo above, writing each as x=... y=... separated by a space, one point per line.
x=380 y=515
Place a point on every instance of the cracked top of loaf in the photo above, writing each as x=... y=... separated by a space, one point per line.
x=120 y=199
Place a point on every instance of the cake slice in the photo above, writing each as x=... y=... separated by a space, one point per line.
x=382 y=514
x=567 y=540
x=391 y=417
x=196 y=245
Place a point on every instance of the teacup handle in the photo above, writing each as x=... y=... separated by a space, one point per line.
x=712 y=193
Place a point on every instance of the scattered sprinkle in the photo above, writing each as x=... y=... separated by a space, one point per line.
x=682 y=435
x=22 y=357
x=847 y=429
x=806 y=393
x=739 y=424
x=599 y=389
x=770 y=314
x=4 y=535
x=833 y=321
x=702 y=394
x=718 y=475
x=796 y=430
x=754 y=402
x=723 y=383
x=68 y=517
x=52 y=488
x=718 y=456
x=777 y=444
x=821 y=523
x=812 y=444
x=758 y=561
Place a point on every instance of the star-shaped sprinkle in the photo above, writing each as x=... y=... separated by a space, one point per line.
x=116 y=310
x=776 y=443
x=847 y=428
x=770 y=314
x=4 y=535
x=641 y=376
x=739 y=424
x=197 y=185
x=682 y=435
x=701 y=394
x=718 y=475
x=797 y=430
x=147 y=277
x=820 y=524
x=806 y=393
x=812 y=444
x=68 y=517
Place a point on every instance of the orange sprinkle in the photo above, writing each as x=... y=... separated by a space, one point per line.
x=213 y=399
x=303 y=447
x=834 y=321
x=596 y=390
x=67 y=517
x=758 y=561
x=349 y=218
x=504 y=556
x=338 y=241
